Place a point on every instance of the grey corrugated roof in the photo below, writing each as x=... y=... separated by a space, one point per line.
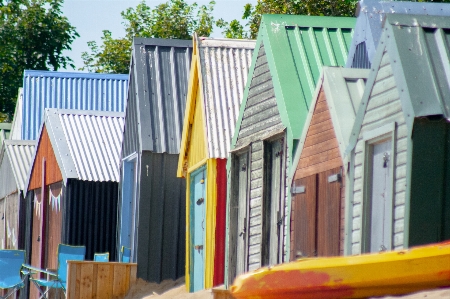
x=16 y=128
x=15 y=163
x=86 y=143
x=20 y=153
x=419 y=53
x=224 y=65
x=158 y=88
x=370 y=20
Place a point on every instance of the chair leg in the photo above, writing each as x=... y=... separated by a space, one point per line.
x=42 y=294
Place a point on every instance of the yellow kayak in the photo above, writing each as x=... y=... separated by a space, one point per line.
x=368 y=275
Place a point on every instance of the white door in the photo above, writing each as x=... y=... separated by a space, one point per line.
x=381 y=197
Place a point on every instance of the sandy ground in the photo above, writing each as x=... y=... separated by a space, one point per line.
x=169 y=289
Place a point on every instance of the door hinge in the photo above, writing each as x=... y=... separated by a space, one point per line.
x=298 y=189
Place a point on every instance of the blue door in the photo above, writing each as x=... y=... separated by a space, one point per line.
x=197 y=228
x=127 y=224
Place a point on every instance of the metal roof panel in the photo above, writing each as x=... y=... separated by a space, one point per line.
x=159 y=74
x=224 y=66
x=87 y=144
x=68 y=90
x=369 y=22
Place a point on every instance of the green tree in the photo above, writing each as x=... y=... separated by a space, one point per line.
x=33 y=35
x=252 y=14
x=172 y=19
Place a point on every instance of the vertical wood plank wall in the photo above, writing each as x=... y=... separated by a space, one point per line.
x=54 y=226
x=97 y=280
x=383 y=107
x=9 y=208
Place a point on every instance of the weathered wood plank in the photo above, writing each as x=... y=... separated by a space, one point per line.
x=97 y=280
x=86 y=279
x=320 y=117
x=317 y=128
x=316 y=168
x=319 y=157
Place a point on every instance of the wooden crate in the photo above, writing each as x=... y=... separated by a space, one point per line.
x=88 y=279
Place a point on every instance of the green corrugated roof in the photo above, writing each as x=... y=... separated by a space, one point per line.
x=297 y=47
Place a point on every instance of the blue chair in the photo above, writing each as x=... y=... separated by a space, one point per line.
x=11 y=262
x=125 y=254
x=59 y=279
x=101 y=257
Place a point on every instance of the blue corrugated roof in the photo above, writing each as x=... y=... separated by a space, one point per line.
x=68 y=90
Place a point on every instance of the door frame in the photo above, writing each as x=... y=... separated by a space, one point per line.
x=370 y=138
x=267 y=149
x=191 y=212
x=126 y=163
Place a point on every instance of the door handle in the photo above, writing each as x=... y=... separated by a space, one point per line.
x=198 y=248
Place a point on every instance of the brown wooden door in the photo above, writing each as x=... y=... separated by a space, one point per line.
x=304 y=216
x=316 y=210
x=328 y=213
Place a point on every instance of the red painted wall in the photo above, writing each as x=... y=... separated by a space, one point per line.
x=219 y=258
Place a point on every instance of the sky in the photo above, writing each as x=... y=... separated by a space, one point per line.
x=90 y=17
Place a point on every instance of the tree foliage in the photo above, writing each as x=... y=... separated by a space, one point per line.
x=33 y=35
x=172 y=19
x=252 y=14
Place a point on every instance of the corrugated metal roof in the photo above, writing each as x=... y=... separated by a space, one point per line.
x=157 y=97
x=225 y=64
x=370 y=22
x=16 y=128
x=63 y=90
x=87 y=144
x=15 y=164
x=20 y=154
x=418 y=48
x=296 y=48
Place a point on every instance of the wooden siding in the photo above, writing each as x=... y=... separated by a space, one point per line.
x=54 y=226
x=321 y=148
x=98 y=280
x=36 y=239
x=261 y=120
x=9 y=211
x=383 y=108
x=52 y=171
x=197 y=143
x=255 y=211
x=261 y=115
x=319 y=155
x=219 y=254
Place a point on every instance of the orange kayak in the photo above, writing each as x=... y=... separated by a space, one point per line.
x=362 y=276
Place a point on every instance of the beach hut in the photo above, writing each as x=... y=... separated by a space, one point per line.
x=15 y=160
x=320 y=165
x=217 y=79
x=399 y=143
x=152 y=199
x=286 y=66
x=370 y=17
x=73 y=184
x=65 y=90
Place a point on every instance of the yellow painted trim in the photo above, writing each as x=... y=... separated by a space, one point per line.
x=188 y=115
x=202 y=100
x=210 y=232
x=197 y=165
x=188 y=252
